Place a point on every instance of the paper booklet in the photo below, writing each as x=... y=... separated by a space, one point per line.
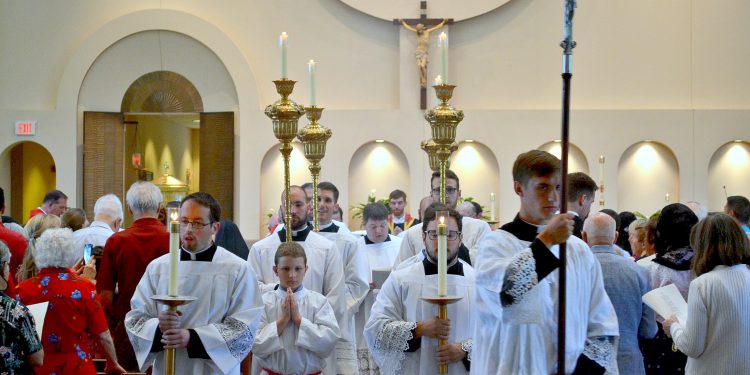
x=38 y=311
x=379 y=277
x=667 y=301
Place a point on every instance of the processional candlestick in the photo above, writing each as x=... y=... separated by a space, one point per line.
x=285 y=114
x=314 y=137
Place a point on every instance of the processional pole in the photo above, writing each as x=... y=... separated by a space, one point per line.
x=567 y=45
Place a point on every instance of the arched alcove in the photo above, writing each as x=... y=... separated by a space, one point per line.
x=379 y=166
x=648 y=178
x=577 y=161
x=272 y=179
x=28 y=173
x=477 y=168
x=730 y=167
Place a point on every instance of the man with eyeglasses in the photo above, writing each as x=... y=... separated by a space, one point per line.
x=473 y=229
x=517 y=286
x=325 y=266
x=124 y=259
x=214 y=333
x=403 y=330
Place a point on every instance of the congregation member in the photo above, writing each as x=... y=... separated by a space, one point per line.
x=517 y=286
x=230 y=238
x=380 y=250
x=19 y=342
x=637 y=237
x=623 y=224
x=125 y=257
x=716 y=333
x=298 y=328
x=470 y=209
x=326 y=274
x=35 y=227
x=355 y=271
x=671 y=265
x=625 y=284
x=16 y=242
x=648 y=244
x=581 y=190
x=75 y=318
x=399 y=220
x=212 y=334
x=55 y=203
x=75 y=219
x=403 y=330
x=473 y=229
x=108 y=217
x=738 y=207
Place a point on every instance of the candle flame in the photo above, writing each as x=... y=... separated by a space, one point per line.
x=442 y=219
x=174 y=215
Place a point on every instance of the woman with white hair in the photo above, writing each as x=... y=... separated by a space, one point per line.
x=20 y=348
x=74 y=315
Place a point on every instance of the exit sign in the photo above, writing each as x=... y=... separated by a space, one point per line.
x=25 y=127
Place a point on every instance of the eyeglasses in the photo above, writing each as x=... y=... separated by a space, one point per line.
x=197 y=225
x=452 y=234
x=448 y=191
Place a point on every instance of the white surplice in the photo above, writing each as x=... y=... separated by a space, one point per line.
x=397 y=309
x=378 y=256
x=472 y=229
x=225 y=315
x=355 y=270
x=325 y=274
x=521 y=338
x=300 y=350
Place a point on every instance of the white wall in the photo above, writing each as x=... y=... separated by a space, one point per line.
x=671 y=71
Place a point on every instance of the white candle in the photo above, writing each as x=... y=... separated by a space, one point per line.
x=174 y=251
x=282 y=45
x=438 y=80
x=492 y=206
x=443 y=45
x=666 y=197
x=311 y=71
x=442 y=257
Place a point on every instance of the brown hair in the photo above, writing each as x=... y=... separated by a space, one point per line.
x=289 y=249
x=74 y=219
x=206 y=200
x=430 y=214
x=718 y=240
x=396 y=194
x=535 y=163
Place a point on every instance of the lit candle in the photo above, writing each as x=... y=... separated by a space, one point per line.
x=174 y=249
x=443 y=45
x=666 y=197
x=282 y=45
x=601 y=169
x=311 y=71
x=492 y=206
x=438 y=80
x=442 y=256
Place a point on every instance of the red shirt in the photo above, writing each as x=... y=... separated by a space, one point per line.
x=35 y=212
x=74 y=316
x=17 y=244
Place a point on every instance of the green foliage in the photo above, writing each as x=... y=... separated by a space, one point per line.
x=358 y=209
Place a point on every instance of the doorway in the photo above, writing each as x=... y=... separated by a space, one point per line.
x=32 y=173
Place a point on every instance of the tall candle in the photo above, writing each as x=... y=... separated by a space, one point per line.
x=443 y=45
x=311 y=71
x=492 y=206
x=282 y=46
x=442 y=257
x=438 y=80
x=174 y=250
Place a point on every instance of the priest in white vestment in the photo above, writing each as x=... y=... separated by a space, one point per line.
x=403 y=330
x=298 y=329
x=380 y=250
x=355 y=273
x=213 y=334
x=326 y=271
x=517 y=287
x=473 y=229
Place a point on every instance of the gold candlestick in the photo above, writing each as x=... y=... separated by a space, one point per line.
x=430 y=147
x=314 y=137
x=172 y=303
x=285 y=114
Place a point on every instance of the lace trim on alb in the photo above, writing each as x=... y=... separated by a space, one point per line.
x=602 y=350
x=520 y=278
x=238 y=336
x=390 y=344
x=466 y=346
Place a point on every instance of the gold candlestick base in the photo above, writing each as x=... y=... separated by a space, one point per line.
x=442 y=302
x=172 y=302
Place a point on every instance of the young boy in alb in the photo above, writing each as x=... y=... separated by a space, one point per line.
x=298 y=329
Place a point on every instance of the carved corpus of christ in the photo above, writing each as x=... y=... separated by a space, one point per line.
x=423 y=40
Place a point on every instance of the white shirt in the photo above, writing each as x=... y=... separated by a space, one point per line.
x=96 y=234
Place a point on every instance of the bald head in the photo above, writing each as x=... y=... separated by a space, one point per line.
x=466 y=209
x=599 y=229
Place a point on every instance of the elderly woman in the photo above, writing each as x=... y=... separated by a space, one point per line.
x=74 y=315
x=20 y=348
x=34 y=228
x=716 y=335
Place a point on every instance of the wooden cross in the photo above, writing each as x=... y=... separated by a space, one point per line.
x=427 y=23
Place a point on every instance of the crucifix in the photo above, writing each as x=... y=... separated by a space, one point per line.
x=422 y=26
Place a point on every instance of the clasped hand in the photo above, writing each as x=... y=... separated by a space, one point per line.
x=289 y=312
x=172 y=336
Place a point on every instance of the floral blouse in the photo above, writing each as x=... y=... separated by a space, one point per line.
x=18 y=336
x=74 y=317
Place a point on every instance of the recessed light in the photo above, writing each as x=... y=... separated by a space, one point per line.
x=469 y=141
x=379 y=141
